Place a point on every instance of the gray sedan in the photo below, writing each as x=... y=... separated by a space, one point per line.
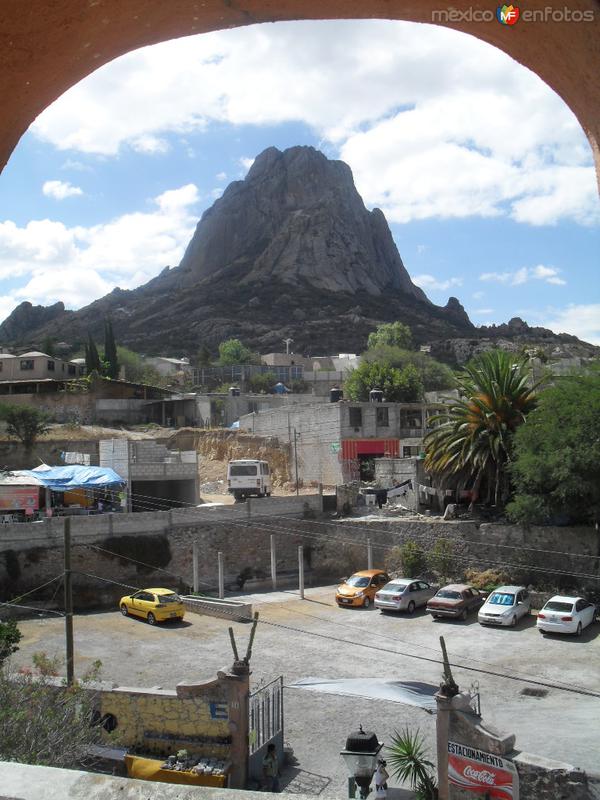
x=403 y=594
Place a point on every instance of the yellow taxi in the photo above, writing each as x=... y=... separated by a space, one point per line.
x=153 y=605
x=360 y=589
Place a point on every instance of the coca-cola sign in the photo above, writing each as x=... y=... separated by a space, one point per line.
x=478 y=771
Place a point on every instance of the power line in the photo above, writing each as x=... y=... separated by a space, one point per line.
x=328 y=637
x=152 y=504
x=31 y=608
x=37 y=588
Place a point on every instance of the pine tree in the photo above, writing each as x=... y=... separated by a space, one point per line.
x=92 y=359
x=110 y=351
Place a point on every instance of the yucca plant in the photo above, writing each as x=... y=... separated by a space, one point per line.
x=407 y=760
x=473 y=439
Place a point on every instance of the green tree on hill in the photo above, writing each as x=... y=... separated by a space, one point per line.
x=110 y=351
x=395 y=334
x=433 y=374
x=398 y=386
x=92 y=357
x=232 y=352
x=556 y=469
x=25 y=423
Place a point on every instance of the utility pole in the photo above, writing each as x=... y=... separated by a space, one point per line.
x=68 y=602
x=195 y=567
x=221 y=573
x=287 y=343
x=301 y=571
x=296 y=459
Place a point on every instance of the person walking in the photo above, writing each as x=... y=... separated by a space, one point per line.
x=270 y=769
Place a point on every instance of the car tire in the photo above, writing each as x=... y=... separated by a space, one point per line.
x=464 y=615
x=366 y=602
x=124 y=610
x=411 y=607
x=151 y=619
x=579 y=629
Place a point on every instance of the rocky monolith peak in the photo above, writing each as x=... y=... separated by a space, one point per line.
x=297 y=216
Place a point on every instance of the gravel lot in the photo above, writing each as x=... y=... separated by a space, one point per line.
x=321 y=640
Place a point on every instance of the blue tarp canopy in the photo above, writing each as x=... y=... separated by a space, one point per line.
x=74 y=476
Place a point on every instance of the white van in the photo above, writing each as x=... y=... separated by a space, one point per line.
x=246 y=477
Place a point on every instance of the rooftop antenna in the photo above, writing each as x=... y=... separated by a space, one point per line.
x=287 y=343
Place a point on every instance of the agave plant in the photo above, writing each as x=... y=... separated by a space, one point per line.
x=473 y=438
x=407 y=759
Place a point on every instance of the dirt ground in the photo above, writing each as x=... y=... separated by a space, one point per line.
x=314 y=638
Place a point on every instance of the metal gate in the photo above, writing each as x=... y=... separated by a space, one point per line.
x=265 y=725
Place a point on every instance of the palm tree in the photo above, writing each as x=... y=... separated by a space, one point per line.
x=474 y=438
x=408 y=762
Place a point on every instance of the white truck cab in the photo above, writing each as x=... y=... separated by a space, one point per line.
x=248 y=477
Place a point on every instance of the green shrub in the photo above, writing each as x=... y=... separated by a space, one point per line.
x=442 y=558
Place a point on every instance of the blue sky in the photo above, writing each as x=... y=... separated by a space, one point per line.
x=483 y=173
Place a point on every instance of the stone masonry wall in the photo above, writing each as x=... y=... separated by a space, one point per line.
x=31 y=554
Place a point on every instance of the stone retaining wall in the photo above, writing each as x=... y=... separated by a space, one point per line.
x=138 y=544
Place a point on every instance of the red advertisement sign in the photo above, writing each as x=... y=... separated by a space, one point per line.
x=13 y=498
x=484 y=773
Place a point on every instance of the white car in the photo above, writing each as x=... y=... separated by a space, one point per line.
x=566 y=615
x=505 y=606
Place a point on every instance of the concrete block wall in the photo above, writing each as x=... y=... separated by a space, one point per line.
x=317 y=428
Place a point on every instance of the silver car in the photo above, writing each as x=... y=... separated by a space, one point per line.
x=505 y=606
x=403 y=594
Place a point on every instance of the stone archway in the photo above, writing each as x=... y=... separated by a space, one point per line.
x=48 y=47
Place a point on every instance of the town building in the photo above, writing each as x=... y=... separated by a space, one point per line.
x=338 y=442
x=22 y=373
x=176 y=368
x=157 y=478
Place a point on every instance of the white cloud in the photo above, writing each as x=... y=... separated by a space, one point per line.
x=523 y=275
x=430 y=283
x=59 y=190
x=395 y=100
x=245 y=163
x=478 y=295
x=79 y=264
x=149 y=144
x=221 y=176
x=75 y=287
x=483 y=312
x=577 y=319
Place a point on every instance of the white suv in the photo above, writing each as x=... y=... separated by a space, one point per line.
x=505 y=606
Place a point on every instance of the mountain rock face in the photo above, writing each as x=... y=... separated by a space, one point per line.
x=290 y=251
x=297 y=217
x=27 y=317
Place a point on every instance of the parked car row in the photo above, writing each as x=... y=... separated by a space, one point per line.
x=505 y=606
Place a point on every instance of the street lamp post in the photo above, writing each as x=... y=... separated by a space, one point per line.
x=360 y=757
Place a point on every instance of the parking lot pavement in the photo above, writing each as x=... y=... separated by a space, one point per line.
x=313 y=638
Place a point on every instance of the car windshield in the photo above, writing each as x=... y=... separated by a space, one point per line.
x=165 y=599
x=502 y=599
x=358 y=581
x=395 y=587
x=554 y=605
x=235 y=470
x=448 y=594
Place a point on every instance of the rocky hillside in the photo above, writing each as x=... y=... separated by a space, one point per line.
x=290 y=251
